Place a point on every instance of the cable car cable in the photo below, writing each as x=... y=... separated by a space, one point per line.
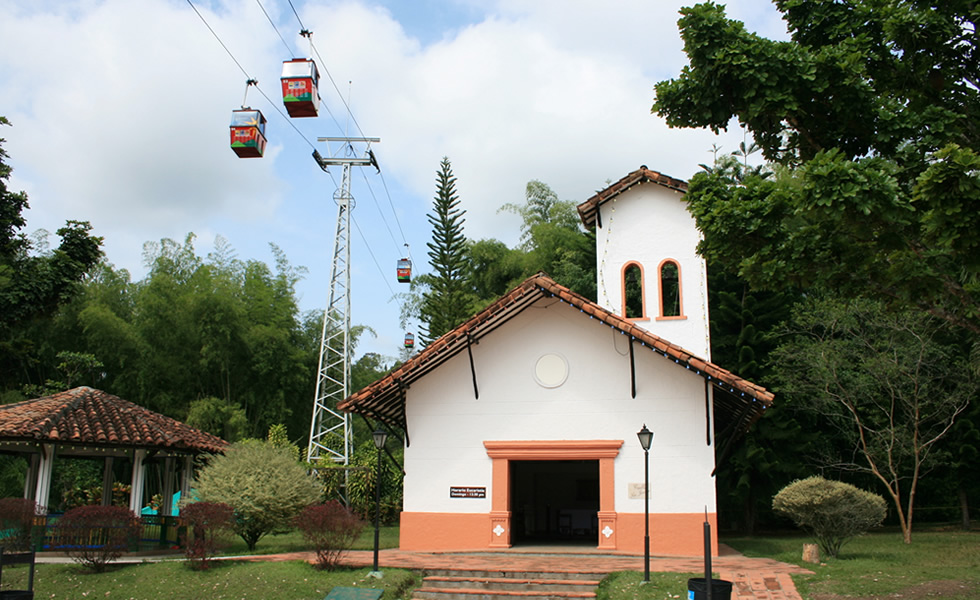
x=249 y=77
x=301 y=26
x=284 y=43
x=376 y=264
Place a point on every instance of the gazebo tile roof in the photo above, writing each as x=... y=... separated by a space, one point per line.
x=92 y=417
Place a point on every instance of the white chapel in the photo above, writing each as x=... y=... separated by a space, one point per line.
x=521 y=424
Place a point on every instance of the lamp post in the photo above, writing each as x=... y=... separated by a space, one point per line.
x=380 y=437
x=646 y=440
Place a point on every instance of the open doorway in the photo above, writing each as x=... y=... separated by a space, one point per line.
x=554 y=501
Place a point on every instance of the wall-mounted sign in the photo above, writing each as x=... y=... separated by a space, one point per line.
x=467 y=492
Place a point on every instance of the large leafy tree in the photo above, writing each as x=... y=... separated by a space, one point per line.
x=33 y=285
x=871 y=115
x=445 y=302
x=889 y=385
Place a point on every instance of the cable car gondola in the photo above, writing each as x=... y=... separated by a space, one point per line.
x=300 y=79
x=248 y=133
x=409 y=340
x=404 y=270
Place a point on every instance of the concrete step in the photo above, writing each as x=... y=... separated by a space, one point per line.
x=517 y=574
x=447 y=584
x=425 y=593
x=511 y=584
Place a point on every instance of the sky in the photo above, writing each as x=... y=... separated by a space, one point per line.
x=120 y=112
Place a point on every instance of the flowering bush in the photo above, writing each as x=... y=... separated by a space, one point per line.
x=207 y=528
x=95 y=535
x=331 y=529
x=17 y=523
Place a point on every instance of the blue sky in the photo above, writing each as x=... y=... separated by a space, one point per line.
x=120 y=113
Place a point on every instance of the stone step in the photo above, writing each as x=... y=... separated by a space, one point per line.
x=448 y=584
x=510 y=574
x=510 y=583
x=425 y=593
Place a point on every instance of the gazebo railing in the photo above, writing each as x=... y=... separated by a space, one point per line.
x=158 y=532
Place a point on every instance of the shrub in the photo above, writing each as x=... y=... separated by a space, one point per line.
x=95 y=535
x=17 y=523
x=265 y=485
x=331 y=529
x=207 y=526
x=833 y=511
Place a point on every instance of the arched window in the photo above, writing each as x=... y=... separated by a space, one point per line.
x=670 y=289
x=633 y=297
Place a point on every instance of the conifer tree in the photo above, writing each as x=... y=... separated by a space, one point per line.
x=445 y=302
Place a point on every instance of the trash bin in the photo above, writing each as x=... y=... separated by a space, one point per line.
x=697 y=590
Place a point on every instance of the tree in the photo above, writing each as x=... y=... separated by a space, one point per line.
x=833 y=511
x=870 y=113
x=554 y=241
x=34 y=286
x=890 y=386
x=218 y=417
x=265 y=485
x=445 y=303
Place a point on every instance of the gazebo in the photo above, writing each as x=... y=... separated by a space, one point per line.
x=89 y=423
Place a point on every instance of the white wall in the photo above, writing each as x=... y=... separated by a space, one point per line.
x=647 y=224
x=447 y=425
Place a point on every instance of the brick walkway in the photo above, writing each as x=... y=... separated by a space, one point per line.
x=752 y=578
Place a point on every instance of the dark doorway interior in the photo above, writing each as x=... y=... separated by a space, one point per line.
x=554 y=501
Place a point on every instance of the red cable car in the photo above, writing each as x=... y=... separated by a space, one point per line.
x=248 y=133
x=409 y=340
x=404 y=270
x=300 y=79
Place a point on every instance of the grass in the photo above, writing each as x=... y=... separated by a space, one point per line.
x=292 y=541
x=226 y=580
x=628 y=585
x=937 y=563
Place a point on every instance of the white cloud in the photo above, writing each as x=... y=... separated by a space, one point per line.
x=121 y=109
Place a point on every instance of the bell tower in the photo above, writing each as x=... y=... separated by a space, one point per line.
x=647 y=266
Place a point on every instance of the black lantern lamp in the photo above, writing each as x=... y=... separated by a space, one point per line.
x=380 y=438
x=646 y=440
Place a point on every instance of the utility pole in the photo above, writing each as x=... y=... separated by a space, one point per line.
x=331 y=436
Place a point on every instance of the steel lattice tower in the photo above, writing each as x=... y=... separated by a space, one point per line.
x=331 y=436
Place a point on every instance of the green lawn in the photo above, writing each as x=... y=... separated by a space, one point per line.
x=226 y=580
x=293 y=542
x=937 y=564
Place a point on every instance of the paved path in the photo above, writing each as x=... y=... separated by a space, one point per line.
x=752 y=578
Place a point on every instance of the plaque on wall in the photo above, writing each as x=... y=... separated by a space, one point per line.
x=467 y=492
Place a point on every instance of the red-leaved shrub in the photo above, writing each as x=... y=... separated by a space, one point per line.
x=95 y=535
x=207 y=527
x=17 y=523
x=331 y=529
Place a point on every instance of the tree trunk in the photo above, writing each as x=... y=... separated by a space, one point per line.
x=964 y=508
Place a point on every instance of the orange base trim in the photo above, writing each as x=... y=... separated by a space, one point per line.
x=671 y=534
x=445 y=531
x=674 y=534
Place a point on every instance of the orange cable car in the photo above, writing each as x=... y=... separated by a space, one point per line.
x=300 y=79
x=248 y=133
x=404 y=270
x=409 y=340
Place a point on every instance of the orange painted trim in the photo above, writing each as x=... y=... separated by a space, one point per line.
x=671 y=534
x=552 y=450
x=431 y=532
x=643 y=291
x=660 y=291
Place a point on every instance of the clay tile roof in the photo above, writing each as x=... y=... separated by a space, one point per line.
x=740 y=403
x=588 y=210
x=86 y=416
